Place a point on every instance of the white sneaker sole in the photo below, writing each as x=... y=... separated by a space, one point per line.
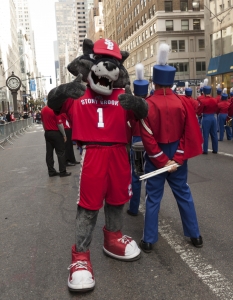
x=81 y=287
x=135 y=256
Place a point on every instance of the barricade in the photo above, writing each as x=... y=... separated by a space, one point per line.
x=10 y=131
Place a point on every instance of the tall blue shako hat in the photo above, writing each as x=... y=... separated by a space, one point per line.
x=163 y=74
x=206 y=87
x=188 y=91
x=219 y=90
x=140 y=84
x=231 y=92
x=224 y=95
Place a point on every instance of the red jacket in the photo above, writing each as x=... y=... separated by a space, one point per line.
x=223 y=107
x=170 y=118
x=208 y=105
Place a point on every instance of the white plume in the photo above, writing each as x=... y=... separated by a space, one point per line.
x=224 y=91
x=231 y=90
x=201 y=84
x=218 y=86
x=206 y=82
x=139 y=69
x=163 y=54
x=186 y=84
x=174 y=87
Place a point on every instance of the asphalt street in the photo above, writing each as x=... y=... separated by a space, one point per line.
x=37 y=230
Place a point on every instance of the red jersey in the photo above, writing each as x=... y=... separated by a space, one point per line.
x=49 y=119
x=223 y=106
x=170 y=119
x=208 y=105
x=98 y=118
x=63 y=119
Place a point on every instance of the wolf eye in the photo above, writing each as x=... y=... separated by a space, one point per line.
x=96 y=56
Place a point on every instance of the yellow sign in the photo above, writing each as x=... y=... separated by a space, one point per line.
x=213 y=71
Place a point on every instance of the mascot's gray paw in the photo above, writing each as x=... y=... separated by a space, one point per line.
x=130 y=102
x=75 y=89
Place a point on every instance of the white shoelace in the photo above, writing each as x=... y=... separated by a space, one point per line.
x=78 y=265
x=125 y=239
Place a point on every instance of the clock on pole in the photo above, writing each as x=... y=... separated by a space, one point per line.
x=13 y=83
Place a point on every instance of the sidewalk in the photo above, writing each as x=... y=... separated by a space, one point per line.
x=37 y=230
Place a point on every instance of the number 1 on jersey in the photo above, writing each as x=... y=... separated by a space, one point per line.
x=100 y=113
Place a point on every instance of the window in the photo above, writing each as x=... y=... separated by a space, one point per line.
x=184 y=25
x=200 y=66
x=169 y=25
x=184 y=5
x=151 y=50
x=168 y=6
x=145 y=53
x=178 y=46
x=201 y=45
x=196 y=24
x=196 y=5
x=181 y=67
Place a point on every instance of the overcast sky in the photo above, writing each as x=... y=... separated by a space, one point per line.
x=44 y=26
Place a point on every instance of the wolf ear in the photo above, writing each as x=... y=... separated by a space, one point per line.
x=87 y=47
x=125 y=55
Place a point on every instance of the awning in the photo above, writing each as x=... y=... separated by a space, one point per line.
x=213 y=66
x=220 y=64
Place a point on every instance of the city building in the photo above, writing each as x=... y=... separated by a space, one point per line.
x=139 y=26
x=9 y=52
x=95 y=30
x=219 y=43
x=65 y=11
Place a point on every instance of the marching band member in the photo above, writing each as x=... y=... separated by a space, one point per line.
x=208 y=108
x=140 y=89
x=230 y=108
x=170 y=133
x=219 y=92
x=188 y=94
x=222 y=112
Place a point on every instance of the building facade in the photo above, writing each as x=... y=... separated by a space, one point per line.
x=139 y=26
x=219 y=43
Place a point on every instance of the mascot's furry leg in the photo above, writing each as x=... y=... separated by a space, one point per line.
x=116 y=245
x=81 y=277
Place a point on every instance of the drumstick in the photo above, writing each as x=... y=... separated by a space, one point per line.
x=159 y=171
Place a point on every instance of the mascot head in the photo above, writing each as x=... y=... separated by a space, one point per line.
x=101 y=66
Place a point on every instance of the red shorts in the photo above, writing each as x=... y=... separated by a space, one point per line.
x=104 y=175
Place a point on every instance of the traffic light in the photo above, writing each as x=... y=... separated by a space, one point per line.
x=50 y=80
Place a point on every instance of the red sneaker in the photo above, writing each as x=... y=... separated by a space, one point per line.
x=120 y=246
x=81 y=278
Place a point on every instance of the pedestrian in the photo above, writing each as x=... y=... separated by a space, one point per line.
x=70 y=157
x=170 y=134
x=222 y=113
x=208 y=108
x=219 y=93
x=55 y=138
x=140 y=89
x=8 y=117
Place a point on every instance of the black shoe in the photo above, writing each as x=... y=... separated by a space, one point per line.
x=215 y=152
x=77 y=162
x=131 y=213
x=69 y=164
x=204 y=152
x=197 y=242
x=54 y=174
x=146 y=247
x=64 y=174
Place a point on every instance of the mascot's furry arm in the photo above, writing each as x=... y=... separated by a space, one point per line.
x=58 y=96
x=130 y=102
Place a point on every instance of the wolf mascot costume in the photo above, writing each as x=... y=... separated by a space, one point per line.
x=99 y=113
